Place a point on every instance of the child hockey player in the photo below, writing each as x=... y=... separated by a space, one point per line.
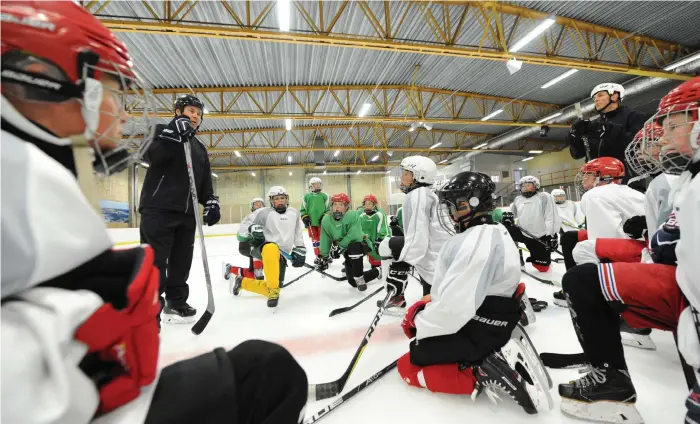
x=396 y=223
x=647 y=295
x=314 y=206
x=79 y=334
x=464 y=329
x=274 y=233
x=536 y=213
x=376 y=225
x=341 y=235
x=569 y=212
x=254 y=269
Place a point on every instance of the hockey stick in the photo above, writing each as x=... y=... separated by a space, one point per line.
x=563 y=360
x=296 y=279
x=557 y=260
x=537 y=278
x=327 y=390
x=200 y=325
x=325 y=274
x=538 y=240
x=333 y=405
x=579 y=115
x=349 y=308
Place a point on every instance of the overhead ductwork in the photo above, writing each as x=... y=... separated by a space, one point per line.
x=638 y=85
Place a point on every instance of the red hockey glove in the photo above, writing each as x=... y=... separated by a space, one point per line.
x=408 y=324
x=122 y=335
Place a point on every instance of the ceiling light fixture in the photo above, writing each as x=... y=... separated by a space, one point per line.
x=491 y=115
x=539 y=29
x=547 y=118
x=565 y=75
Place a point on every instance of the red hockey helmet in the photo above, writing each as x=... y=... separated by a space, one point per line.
x=603 y=170
x=370 y=198
x=642 y=154
x=340 y=197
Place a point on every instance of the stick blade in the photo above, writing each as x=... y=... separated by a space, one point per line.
x=323 y=391
x=200 y=325
x=338 y=311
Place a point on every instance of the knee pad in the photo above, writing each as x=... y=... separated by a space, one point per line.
x=244 y=248
x=569 y=239
x=396 y=246
x=408 y=371
x=270 y=251
x=580 y=278
x=355 y=250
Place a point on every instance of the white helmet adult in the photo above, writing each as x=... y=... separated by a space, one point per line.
x=254 y=201
x=424 y=171
x=557 y=192
x=531 y=180
x=315 y=180
x=610 y=88
x=278 y=191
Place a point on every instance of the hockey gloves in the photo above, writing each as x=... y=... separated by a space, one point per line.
x=408 y=324
x=122 y=335
x=180 y=130
x=306 y=220
x=663 y=243
x=636 y=227
x=508 y=219
x=257 y=235
x=323 y=262
x=336 y=251
x=552 y=242
x=298 y=257
x=393 y=221
x=398 y=277
x=212 y=213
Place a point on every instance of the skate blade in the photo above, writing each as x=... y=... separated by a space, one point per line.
x=176 y=319
x=520 y=333
x=224 y=271
x=561 y=303
x=602 y=411
x=529 y=312
x=520 y=358
x=638 y=341
x=395 y=312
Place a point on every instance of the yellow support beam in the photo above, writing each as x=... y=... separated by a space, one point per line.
x=227 y=151
x=356 y=166
x=596 y=45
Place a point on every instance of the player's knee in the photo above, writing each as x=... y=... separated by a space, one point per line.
x=354 y=248
x=580 y=280
x=408 y=371
x=569 y=240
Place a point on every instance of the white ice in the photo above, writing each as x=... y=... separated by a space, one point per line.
x=324 y=347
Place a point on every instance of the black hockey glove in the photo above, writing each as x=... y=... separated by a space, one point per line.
x=323 y=262
x=180 y=129
x=663 y=243
x=306 y=220
x=256 y=232
x=508 y=219
x=377 y=242
x=579 y=129
x=393 y=221
x=212 y=213
x=336 y=252
x=636 y=227
x=398 y=277
x=298 y=257
x=552 y=242
x=600 y=130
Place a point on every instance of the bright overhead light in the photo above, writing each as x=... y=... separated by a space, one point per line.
x=284 y=11
x=566 y=74
x=539 y=29
x=205 y=111
x=359 y=171
x=682 y=62
x=214 y=175
x=535 y=152
x=325 y=172
x=289 y=159
x=237 y=153
x=288 y=124
x=337 y=152
x=435 y=145
x=520 y=169
x=547 y=118
x=491 y=115
x=390 y=153
x=442 y=161
x=144 y=164
x=428 y=127
x=527 y=159
x=252 y=173
x=375 y=157
x=364 y=110
x=481 y=145
x=290 y=173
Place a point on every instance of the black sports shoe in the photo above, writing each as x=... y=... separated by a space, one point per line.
x=235 y=285
x=560 y=299
x=179 y=314
x=495 y=376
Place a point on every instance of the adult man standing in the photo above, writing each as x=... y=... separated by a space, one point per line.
x=167 y=213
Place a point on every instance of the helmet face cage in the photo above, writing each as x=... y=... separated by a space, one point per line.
x=446 y=210
x=315 y=180
x=681 y=138
x=642 y=154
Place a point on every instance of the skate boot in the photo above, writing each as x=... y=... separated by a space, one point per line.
x=317 y=260
x=494 y=376
x=273 y=298
x=560 y=299
x=636 y=337
x=361 y=284
x=396 y=306
x=235 y=285
x=226 y=271
x=181 y=314
x=602 y=395
x=527 y=313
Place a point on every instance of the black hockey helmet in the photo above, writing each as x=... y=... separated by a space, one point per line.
x=472 y=189
x=189 y=100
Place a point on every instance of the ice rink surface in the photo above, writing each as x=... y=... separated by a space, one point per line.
x=324 y=347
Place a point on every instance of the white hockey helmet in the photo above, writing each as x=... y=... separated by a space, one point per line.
x=315 y=180
x=610 y=88
x=278 y=191
x=255 y=200
x=558 y=192
x=530 y=179
x=424 y=171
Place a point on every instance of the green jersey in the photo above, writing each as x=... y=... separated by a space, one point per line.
x=376 y=226
x=315 y=205
x=497 y=215
x=344 y=232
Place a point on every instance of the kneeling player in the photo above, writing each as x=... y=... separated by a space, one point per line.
x=341 y=235
x=375 y=224
x=275 y=233
x=463 y=329
x=254 y=269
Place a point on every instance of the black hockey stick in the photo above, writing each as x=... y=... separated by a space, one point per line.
x=349 y=308
x=296 y=279
x=563 y=360
x=538 y=240
x=325 y=274
x=327 y=390
x=537 y=278
x=557 y=260
x=333 y=405
x=200 y=325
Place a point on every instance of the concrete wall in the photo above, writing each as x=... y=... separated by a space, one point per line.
x=555 y=168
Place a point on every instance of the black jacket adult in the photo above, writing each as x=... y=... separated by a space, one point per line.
x=166 y=186
x=624 y=122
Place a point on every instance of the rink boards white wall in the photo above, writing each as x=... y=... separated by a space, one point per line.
x=126 y=236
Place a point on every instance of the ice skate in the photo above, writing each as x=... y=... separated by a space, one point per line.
x=361 y=284
x=603 y=395
x=636 y=337
x=495 y=377
x=226 y=270
x=528 y=314
x=182 y=314
x=235 y=285
x=560 y=299
x=396 y=306
x=273 y=298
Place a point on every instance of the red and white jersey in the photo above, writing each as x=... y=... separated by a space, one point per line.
x=48 y=229
x=608 y=207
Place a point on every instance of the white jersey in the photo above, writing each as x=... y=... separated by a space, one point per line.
x=687 y=211
x=488 y=265
x=537 y=214
x=48 y=229
x=658 y=206
x=423 y=234
x=608 y=207
x=283 y=229
x=570 y=215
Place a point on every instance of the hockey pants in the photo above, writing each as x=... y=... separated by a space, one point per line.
x=646 y=295
x=354 y=266
x=274 y=265
x=608 y=250
x=315 y=236
x=396 y=245
x=540 y=256
x=568 y=242
x=256 y=382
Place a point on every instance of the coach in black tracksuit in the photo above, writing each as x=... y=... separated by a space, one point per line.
x=167 y=214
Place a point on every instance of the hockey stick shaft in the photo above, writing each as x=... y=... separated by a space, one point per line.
x=537 y=278
x=538 y=240
x=587 y=146
x=563 y=360
x=325 y=274
x=334 y=405
x=327 y=390
x=200 y=325
x=296 y=279
x=350 y=308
